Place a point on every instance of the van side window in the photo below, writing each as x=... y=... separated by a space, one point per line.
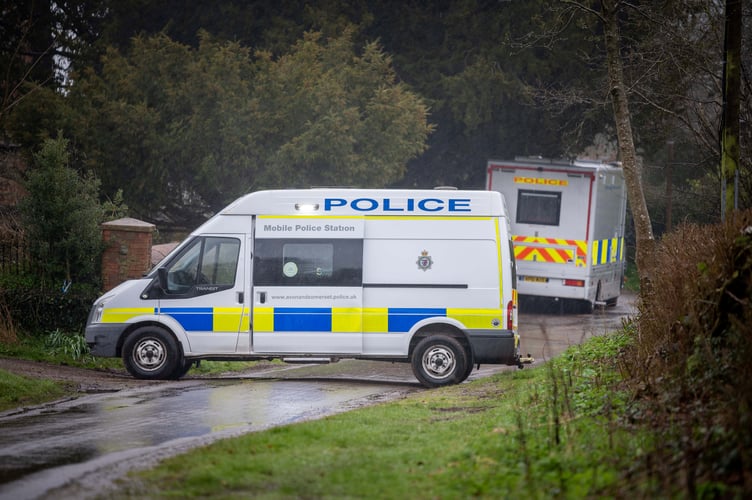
x=207 y=265
x=538 y=207
x=308 y=262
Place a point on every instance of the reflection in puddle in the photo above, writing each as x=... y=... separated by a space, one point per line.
x=101 y=424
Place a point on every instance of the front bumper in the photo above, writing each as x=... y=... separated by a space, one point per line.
x=103 y=338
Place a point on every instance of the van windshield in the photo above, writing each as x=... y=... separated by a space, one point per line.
x=206 y=261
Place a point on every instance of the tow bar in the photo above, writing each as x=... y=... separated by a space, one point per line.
x=525 y=360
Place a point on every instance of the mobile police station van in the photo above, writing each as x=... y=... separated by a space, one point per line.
x=425 y=277
x=567 y=223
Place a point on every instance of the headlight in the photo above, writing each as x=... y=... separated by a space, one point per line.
x=98 y=313
x=95 y=315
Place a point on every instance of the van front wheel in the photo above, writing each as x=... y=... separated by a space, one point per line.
x=439 y=360
x=151 y=353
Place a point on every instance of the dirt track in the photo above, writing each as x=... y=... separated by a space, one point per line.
x=81 y=379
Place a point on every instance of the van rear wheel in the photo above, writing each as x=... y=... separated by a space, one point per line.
x=151 y=353
x=440 y=360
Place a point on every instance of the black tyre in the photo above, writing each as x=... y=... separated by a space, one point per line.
x=586 y=307
x=182 y=369
x=468 y=370
x=151 y=353
x=440 y=360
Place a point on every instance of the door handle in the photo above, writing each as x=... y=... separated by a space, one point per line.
x=241 y=297
x=262 y=297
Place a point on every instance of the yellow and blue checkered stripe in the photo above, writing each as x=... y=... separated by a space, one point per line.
x=310 y=319
x=607 y=251
x=366 y=320
x=192 y=319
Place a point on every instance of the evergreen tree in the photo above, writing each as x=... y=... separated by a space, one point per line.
x=61 y=216
x=184 y=131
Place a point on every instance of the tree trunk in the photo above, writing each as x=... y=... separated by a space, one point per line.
x=731 y=103
x=632 y=175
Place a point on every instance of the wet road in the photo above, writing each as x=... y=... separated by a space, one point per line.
x=46 y=449
x=90 y=439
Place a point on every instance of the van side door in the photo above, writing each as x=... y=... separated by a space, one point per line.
x=307 y=285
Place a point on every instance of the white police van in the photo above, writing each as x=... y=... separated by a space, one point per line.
x=421 y=276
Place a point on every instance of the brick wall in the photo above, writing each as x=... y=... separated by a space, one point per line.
x=127 y=253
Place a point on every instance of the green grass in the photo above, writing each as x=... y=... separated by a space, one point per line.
x=18 y=391
x=57 y=348
x=537 y=433
x=70 y=349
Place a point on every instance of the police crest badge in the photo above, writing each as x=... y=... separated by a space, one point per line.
x=424 y=261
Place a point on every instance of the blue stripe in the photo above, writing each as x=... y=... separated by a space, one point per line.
x=302 y=319
x=403 y=319
x=192 y=319
x=610 y=250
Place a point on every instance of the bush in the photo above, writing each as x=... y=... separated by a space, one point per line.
x=690 y=366
x=34 y=310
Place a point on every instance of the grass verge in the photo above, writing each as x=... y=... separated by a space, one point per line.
x=18 y=391
x=539 y=433
x=71 y=350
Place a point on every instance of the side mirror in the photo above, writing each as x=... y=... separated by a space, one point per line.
x=162 y=277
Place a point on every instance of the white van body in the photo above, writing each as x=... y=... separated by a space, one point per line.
x=568 y=222
x=425 y=277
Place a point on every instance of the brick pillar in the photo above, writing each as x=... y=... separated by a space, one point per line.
x=127 y=253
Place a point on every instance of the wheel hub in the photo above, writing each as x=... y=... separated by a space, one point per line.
x=149 y=354
x=439 y=362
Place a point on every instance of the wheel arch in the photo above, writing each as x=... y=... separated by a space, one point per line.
x=135 y=326
x=448 y=329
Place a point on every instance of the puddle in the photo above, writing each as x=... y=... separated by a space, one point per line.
x=38 y=452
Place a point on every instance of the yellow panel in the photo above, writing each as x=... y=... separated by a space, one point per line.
x=226 y=319
x=478 y=318
x=376 y=320
x=121 y=315
x=346 y=319
x=263 y=319
x=499 y=264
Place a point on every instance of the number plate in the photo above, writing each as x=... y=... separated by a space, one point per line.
x=535 y=279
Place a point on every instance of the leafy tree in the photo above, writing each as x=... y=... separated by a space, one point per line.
x=184 y=131
x=26 y=52
x=39 y=39
x=657 y=67
x=461 y=57
x=500 y=80
x=61 y=216
x=329 y=116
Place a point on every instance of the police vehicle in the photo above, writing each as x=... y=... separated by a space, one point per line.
x=423 y=276
x=568 y=221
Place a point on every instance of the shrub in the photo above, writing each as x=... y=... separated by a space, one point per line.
x=690 y=365
x=33 y=309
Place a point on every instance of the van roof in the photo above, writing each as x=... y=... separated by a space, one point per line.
x=583 y=166
x=340 y=201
